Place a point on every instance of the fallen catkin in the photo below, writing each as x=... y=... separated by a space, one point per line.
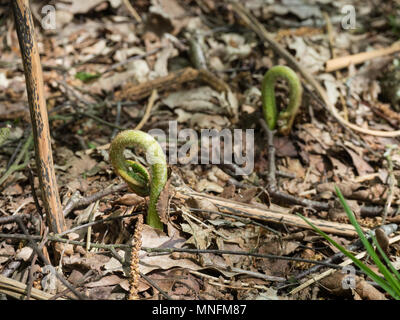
x=134 y=273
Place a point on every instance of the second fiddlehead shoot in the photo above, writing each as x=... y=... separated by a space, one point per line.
x=285 y=118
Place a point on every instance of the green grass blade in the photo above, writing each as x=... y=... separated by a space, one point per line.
x=382 y=268
x=396 y=279
x=381 y=282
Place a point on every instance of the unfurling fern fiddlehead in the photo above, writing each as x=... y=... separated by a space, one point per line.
x=284 y=119
x=136 y=176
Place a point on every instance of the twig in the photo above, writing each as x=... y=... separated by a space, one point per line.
x=17 y=289
x=132 y=10
x=83 y=101
x=325 y=274
x=13 y=218
x=15 y=153
x=70 y=91
x=274 y=213
x=189 y=216
x=35 y=198
x=149 y=106
x=136 y=92
x=155 y=285
x=31 y=279
x=272 y=185
x=81 y=282
x=78 y=203
x=58 y=239
x=86 y=225
x=39 y=116
x=271 y=157
x=343 y=62
x=245 y=221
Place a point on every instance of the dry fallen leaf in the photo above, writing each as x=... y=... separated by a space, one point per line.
x=205 y=185
x=154 y=238
x=6 y=252
x=362 y=166
x=171 y=11
x=202 y=99
x=283 y=248
x=105 y=281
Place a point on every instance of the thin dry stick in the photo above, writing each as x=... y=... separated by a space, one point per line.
x=132 y=10
x=149 y=106
x=134 y=275
x=273 y=213
x=257 y=27
x=17 y=290
x=343 y=62
x=31 y=275
x=33 y=190
x=330 y=271
x=140 y=91
x=155 y=285
x=62 y=240
x=79 y=283
x=77 y=202
x=86 y=225
x=325 y=274
x=38 y=112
